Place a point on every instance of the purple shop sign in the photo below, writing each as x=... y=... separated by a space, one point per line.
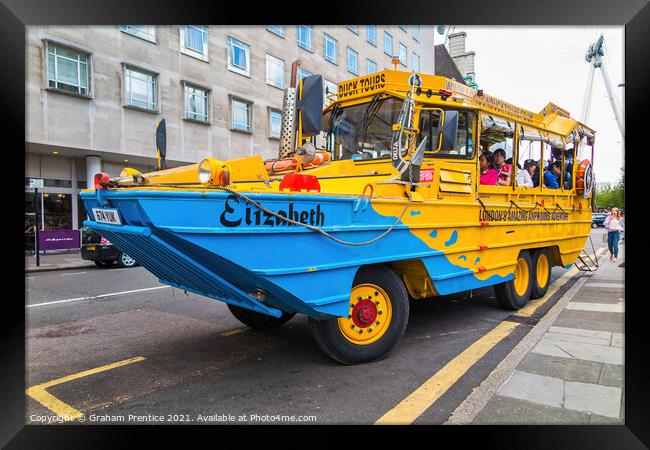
x=58 y=239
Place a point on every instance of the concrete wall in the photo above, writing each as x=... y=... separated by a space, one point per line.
x=103 y=126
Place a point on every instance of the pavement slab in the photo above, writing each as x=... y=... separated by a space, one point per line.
x=579 y=350
x=534 y=388
x=506 y=410
x=594 y=398
x=575 y=321
x=584 y=306
x=604 y=339
x=564 y=368
x=612 y=375
x=618 y=340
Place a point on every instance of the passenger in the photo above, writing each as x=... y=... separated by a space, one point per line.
x=524 y=176
x=503 y=169
x=552 y=175
x=488 y=174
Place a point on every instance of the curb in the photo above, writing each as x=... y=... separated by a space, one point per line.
x=52 y=269
x=467 y=411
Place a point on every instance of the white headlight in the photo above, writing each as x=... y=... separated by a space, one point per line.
x=205 y=171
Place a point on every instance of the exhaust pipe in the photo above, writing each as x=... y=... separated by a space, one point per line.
x=288 y=130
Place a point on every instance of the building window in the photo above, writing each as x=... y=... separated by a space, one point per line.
x=415 y=32
x=146 y=32
x=194 y=41
x=276 y=29
x=329 y=48
x=415 y=62
x=241 y=114
x=304 y=37
x=388 y=44
x=196 y=103
x=67 y=69
x=371 y=34
x=328 y=88
x=275 y=123
x=371 y=66
x=353 y=62
x=353 y=28
x=302 y=73
x=239 y=58
x=404 y=27
x=403 y=54
x=140 y=88
x=274 y=71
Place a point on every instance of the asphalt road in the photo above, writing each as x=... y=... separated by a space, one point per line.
x=185 y=359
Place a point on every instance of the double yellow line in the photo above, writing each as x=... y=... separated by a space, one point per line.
x=62 y=409
x=416 y=403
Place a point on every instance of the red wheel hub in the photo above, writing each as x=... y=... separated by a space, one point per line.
x=364 y=313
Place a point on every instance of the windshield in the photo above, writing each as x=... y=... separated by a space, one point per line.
x=361 y=131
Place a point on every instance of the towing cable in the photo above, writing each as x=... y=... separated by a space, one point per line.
x=278 y=216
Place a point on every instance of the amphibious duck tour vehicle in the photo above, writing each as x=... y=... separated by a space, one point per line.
x=374 y=201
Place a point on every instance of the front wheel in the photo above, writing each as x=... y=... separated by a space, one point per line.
x=257 y=320
x=377 y=319
x=514 y=294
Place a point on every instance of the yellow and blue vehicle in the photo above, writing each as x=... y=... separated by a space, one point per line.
x=349 y=225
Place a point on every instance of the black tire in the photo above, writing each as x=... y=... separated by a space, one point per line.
x=506 y=293
x=257 y=320
x=103 y=264
x=540 y=286
x=330 y=339
x=125 y=261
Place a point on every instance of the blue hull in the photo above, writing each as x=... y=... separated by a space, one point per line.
x=216 y=245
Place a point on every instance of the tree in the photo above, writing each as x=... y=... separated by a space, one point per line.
x=609 y=196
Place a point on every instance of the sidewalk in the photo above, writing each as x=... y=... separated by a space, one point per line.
x=57 y=261
x=571 y=371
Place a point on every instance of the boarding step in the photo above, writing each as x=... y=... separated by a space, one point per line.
x=588 y=263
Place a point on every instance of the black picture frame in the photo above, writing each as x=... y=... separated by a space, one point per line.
x=633 y=14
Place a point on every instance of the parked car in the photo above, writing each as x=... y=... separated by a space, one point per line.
x=100 y=250
x=597 y=220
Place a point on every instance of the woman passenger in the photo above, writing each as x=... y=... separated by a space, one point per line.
x=488 y=175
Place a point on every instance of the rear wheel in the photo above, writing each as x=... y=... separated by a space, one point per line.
x=257 y=320
x=541 y=273
x=377 y=319
x=514 y=294
x=103 y=263
x=125 y=260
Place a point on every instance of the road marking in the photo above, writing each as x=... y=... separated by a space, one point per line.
x=409 y=409
x=533 y=305
x=62 y=409
x=96 y=296
x=235 y=331
x=73 y=273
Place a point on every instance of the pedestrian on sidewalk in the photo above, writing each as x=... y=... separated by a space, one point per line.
x=614 y=225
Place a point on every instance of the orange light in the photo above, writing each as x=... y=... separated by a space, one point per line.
x=224 y=177
x=101 y=179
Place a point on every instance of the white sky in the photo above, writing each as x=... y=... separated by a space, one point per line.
x=531 y=66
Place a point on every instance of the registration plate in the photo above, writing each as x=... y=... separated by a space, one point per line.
x=90 y=247
x=107 y=216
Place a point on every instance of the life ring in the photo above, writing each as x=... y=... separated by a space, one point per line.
x=584 y=178
x=281 y=165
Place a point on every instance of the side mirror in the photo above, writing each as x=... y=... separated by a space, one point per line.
x=310 y=105
x=448 y=132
